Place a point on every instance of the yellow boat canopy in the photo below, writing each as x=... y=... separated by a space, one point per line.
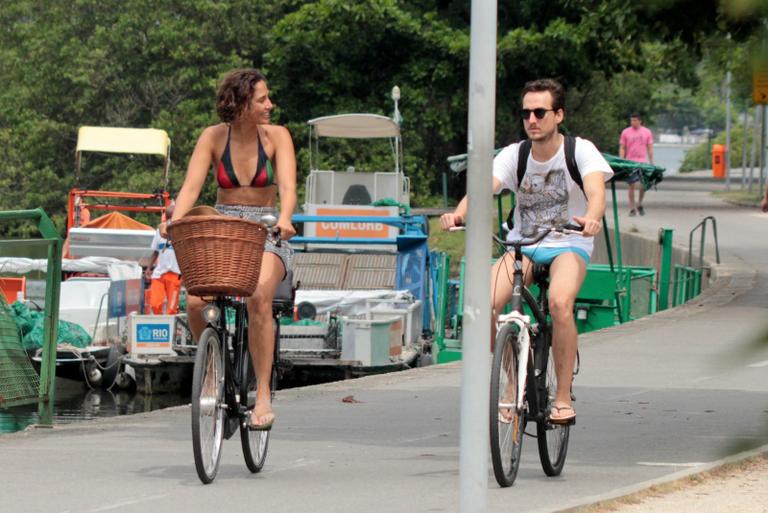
x=123 y=140
x=146 y=141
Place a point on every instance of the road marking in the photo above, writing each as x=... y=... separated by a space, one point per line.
x=666 y=464
x=127 y=502
x=764 y=363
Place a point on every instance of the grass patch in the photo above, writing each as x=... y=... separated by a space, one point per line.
x=453 y=243
x=740 y=197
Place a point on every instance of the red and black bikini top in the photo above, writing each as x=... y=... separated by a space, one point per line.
x=225 y=171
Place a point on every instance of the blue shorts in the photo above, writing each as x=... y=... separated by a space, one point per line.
x=545 y=256
x=634 y=177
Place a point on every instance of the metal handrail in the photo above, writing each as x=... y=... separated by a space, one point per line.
x=703 y=226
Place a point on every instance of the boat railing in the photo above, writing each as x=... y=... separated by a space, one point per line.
x=328 y=187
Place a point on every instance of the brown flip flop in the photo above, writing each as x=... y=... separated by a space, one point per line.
x=563 y=419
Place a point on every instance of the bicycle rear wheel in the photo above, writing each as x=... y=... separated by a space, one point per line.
x=552 y=438
x=507 y=423
x=207 y=405
x=255 y=443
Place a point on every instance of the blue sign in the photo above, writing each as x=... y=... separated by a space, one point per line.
x=117 y=299
x=152 y=333
x=124 y=297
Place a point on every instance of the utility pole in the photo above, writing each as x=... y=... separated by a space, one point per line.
x=753 y=149
x=762 y=152
x=744 y=134
x=475 y=371
x=728 y=129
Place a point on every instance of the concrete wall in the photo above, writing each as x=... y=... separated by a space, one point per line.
x=639 y=250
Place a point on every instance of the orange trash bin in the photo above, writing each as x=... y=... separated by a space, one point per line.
x=718 y=160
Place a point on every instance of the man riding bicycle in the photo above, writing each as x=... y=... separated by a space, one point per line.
x=548 y=195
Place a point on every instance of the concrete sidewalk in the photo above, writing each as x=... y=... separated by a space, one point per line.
x=658 y=398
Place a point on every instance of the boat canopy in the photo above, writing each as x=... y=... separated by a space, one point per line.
x=150 y=141
x=145 y=141
x=355 y=126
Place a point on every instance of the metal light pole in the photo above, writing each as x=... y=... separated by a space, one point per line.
x=728 y=130
x=744 y=135
x=475 y=372
x=762 y=151
x=753 y=149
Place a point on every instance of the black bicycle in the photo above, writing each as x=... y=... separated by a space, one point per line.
x=224 y=383
x=523 y=380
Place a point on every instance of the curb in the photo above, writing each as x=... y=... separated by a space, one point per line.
x=627 y=491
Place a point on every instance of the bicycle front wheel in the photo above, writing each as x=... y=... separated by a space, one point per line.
x=207 y=405
x=552 y=438
x=506 y=421
x=255 y=443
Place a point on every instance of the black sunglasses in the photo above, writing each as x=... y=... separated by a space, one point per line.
x=539 y=113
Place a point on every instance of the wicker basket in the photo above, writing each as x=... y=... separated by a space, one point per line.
x=218 y=255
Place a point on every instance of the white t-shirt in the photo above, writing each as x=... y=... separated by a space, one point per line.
x=166 y=258
x=548 y=196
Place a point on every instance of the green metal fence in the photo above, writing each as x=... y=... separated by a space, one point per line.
x=51 y=244
x=687 y=284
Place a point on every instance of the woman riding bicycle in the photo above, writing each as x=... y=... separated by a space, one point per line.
x=253 y=162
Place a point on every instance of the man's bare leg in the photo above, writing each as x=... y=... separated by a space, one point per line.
x=567 y=273
x=502 y=276
x=631 y=195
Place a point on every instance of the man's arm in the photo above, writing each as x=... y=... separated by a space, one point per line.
x=594 y=189
x=459 y=216
x=650 y=147
x=764 y=203
x=151 y=265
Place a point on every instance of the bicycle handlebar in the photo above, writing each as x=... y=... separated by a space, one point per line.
x=530 y=241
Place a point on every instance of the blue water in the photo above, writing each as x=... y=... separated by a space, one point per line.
x=670 y=156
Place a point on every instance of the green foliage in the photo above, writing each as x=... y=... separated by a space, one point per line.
x=700 y=156
x=140 y=63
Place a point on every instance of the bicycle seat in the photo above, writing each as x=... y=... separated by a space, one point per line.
x=540 y=273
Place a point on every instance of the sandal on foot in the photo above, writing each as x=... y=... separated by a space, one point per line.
x=260 y=427
x=567 y=418
x=505 y=420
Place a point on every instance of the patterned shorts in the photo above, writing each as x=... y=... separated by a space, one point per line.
x=284 y=251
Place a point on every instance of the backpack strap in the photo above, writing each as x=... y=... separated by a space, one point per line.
x=522 y=160
x=522 y=165
x=570 y=160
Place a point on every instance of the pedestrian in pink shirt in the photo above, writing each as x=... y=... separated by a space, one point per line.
x=636 y=143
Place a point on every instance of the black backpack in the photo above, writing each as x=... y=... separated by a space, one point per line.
x=524 y=150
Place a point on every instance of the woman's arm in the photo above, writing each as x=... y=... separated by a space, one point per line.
x=285 y=160
x=197 y=170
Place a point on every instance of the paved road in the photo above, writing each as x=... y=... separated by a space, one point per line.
x=656 y=397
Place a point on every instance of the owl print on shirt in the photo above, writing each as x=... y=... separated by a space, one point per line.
x=543 y=201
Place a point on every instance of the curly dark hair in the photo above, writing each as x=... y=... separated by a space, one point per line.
x=554 y=87
x=236 y=91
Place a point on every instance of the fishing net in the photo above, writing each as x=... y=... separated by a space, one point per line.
x=18 y=380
